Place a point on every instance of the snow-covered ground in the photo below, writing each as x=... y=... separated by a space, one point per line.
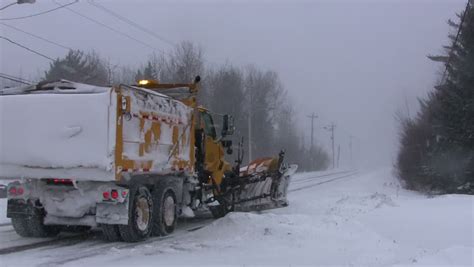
x=363 y=219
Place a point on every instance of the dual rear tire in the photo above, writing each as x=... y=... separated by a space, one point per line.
x=140 y=216
x=165 y=210
x=150 y=213
x=33 y=227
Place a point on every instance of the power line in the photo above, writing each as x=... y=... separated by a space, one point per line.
x=36 y=36
x=9 y=5
x=112 y=29
x=13 y=79
x=26 y=48
x=18 y=78
x=44 y=12
x=130 y=22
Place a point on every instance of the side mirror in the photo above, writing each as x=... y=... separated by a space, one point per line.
x=227 y=144
x=228 y=125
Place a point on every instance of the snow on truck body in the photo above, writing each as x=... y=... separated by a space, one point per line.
x=57 y=135
x=72 y=133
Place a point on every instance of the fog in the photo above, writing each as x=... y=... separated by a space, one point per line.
x=354 y=63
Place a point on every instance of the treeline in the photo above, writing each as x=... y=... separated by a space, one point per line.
x=437 y=147
x=255 y=97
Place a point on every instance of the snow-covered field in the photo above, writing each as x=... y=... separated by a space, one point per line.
x=362 y=219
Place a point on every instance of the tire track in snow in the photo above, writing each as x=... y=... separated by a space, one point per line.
x=94 y=244
x=64 y=240
x=105 y=247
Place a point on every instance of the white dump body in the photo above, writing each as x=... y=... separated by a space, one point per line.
x=58 y=134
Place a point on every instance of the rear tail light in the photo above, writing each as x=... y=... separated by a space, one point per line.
x=16 y=191
x=20 y=191
x=12 y=191
x=114 y=194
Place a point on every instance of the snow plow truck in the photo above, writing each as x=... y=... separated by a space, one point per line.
x=129 y=159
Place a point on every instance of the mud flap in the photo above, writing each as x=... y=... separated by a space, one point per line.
x=20 y=208
x=112 y=213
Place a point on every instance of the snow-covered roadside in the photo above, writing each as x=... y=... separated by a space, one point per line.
x=365 y=220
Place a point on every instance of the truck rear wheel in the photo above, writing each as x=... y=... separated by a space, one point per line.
x=111 y=232
x=38 y=229
x=21 y=226
x=140 y=217
x=33 y=227
x=166 y=216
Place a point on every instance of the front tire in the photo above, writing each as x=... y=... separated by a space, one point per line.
x=221 y=209
x=166 y=216
x=218 y=211
x=140 y=217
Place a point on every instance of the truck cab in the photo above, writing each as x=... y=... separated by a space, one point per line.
x=213 y=146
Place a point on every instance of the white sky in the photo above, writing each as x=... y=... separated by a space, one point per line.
x=351 y=62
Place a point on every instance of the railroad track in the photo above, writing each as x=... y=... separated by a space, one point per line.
x=68 y=240
x=312 y=178
x=339 y=175
x=93 y=239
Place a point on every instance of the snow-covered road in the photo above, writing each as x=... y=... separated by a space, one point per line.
x=343 y=218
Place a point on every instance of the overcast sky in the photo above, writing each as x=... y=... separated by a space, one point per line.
x=352 y=62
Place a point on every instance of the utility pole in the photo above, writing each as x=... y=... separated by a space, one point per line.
x=250 y=127
x=250 y=136
x=338 y=154
x=312 y=117
x=331 y=128
x=350 y=150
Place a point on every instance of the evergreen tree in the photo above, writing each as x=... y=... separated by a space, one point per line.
x=437 y=148
x=78 y=66
x=452 y=110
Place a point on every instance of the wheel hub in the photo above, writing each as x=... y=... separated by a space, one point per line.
x=169 y=211
x=142 y=214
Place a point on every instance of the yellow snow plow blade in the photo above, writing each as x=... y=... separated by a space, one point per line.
x=261 y=185
x=266 y=188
